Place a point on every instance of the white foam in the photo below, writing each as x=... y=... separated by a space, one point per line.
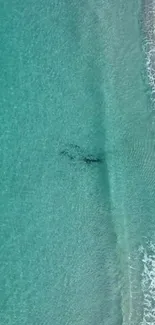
x=149 y=43
x=148 y=284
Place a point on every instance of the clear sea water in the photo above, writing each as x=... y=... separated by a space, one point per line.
x=77 y=202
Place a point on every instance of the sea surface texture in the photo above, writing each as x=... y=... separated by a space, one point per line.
x=77 y=155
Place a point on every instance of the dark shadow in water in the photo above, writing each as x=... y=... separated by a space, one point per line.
x=75 y=153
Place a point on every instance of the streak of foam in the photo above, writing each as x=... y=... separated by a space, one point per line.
x=148 y=284
x=149 y=43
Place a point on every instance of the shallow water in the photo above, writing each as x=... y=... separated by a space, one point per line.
x=77 y=169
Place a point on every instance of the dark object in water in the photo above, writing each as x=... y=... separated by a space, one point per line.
x=90 y=160
x=66 y=153
x=74 y=152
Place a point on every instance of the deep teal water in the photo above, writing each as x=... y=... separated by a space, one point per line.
x=77 y=243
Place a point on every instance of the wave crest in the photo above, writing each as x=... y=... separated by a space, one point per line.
x=148 y=284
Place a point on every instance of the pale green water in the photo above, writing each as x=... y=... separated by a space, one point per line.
x=77 y=174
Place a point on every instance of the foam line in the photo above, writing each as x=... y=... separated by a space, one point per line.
x=148 y=284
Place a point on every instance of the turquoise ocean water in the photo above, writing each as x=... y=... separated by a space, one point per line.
x=77 y=203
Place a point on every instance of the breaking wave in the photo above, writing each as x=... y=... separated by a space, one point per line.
x=148 y=283
x=149 y=42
